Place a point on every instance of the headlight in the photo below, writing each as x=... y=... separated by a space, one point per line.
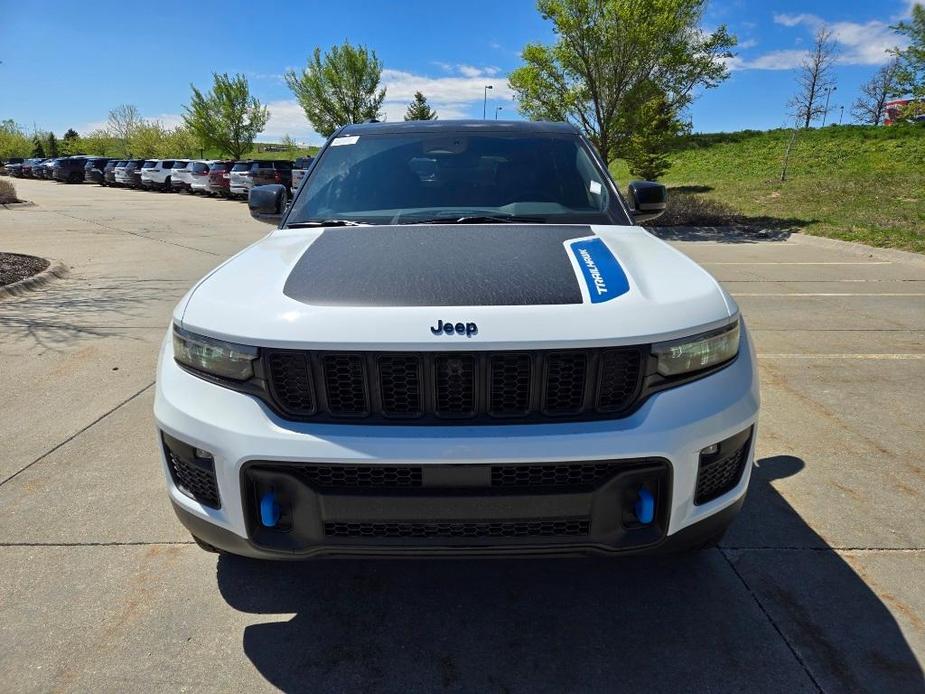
x=217 y=357
x=698 y=352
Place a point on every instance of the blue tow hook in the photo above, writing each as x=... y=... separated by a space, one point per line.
x=644 y=508
x=269 y=510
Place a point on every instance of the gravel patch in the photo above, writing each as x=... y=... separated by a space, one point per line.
x=15 y=267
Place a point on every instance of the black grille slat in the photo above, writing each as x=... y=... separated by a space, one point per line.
x=551 y=527
x=345 y=385
x=290 y=381
x=566 y=376
x=360 y=476
x=620 y=379
x=455 y=388
x=720 y=476
x=509 y=385
x=400 y=385
x=197 y=477
x=570 y=476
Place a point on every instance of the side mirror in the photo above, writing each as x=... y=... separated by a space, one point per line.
x=267 y=203
x=648 y=199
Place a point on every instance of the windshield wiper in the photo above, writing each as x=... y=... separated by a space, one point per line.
x=325 y=223
x=476 y=219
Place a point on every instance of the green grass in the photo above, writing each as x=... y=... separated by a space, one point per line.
x=857 y=183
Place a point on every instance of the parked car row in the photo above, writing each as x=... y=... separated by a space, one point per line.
x=228 y=178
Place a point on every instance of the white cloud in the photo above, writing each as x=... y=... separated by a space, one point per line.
x=288 y=118
x=747 y=43
x=907 y=9
x=775 y=60
x=858 y=43
x=453 y=96
x=469 y=71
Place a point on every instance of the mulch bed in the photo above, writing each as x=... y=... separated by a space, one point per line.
x=15 y=267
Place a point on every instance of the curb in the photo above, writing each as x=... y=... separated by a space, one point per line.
x=55 y=270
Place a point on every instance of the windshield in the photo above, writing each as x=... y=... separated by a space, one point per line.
x=413 y=177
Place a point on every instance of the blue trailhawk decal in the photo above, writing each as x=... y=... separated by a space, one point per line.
x=603 y=275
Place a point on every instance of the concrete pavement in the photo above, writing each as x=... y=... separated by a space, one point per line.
x=818 y=586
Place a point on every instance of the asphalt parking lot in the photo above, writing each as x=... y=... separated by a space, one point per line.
x=818 y=587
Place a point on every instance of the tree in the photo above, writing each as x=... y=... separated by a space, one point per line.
x=910 y=77
x=815 y=80
x=227 y=117
x=657 y=127
x=101 y=142
x=70 y=143
x=339 y=88
x=38 y=149
x=179 y=142
x=51 y=145
x=419 y=109
x=122 y=122
x=13 y=141
x=607 y=55
x=147 y=139
x=869 y=107
x=288 y=143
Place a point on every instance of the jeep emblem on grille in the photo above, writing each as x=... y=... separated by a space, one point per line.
x=448 y=328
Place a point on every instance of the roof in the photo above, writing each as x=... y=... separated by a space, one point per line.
x=517 y=126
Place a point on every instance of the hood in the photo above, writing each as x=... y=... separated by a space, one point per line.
x=450 y=287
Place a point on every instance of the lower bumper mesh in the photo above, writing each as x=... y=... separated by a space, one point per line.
x=560 y=527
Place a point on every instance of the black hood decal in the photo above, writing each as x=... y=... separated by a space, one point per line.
x=438 y=265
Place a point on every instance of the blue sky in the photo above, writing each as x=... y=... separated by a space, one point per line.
x=66 y=64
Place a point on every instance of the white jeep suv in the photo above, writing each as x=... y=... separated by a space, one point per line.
x=457 y=342
x=158 y=173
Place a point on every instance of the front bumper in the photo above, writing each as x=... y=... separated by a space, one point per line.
x=454 y=509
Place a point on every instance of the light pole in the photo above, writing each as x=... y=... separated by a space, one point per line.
x=841 y=113
x=828 y=93
x=485 y=100
x=497 y=109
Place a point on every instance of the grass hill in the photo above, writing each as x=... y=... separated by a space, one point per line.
x=859 y=183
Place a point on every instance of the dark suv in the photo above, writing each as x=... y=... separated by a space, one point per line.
x=128 y=173
x=94 y=169
x=13 y=167
x=109 y=172
x=69 y=169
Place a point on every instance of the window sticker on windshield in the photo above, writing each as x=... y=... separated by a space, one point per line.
x=595 y=188
x=338 y=141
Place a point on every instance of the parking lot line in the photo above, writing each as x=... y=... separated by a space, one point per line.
x=828 y=293
x=898 y=357
x=782 y=262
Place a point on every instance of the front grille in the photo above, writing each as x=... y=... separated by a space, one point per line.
x=720 y=476
x=345 y=386
x=423 y=387
x=564 y=477
x=571 y=476
x=359 y=476
x=195 y=477
x=550 y=527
